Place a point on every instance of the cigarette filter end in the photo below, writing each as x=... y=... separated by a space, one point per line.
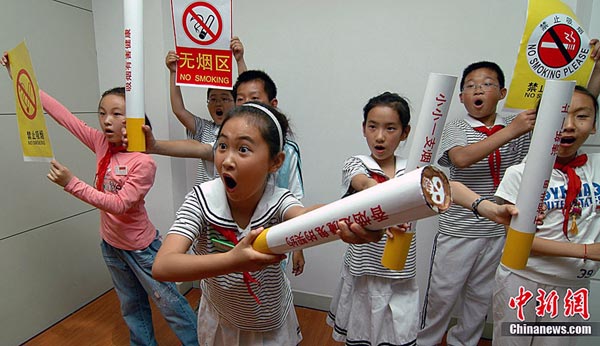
x=260 y=243
x=396 y=250
x=135 y=135
x=517 y=249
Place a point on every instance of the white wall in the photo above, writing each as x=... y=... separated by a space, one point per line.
x=50 y=257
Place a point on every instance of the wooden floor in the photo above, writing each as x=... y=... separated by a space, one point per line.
x=100 y=323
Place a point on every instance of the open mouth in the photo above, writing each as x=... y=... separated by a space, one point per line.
x=219 y=112
x=229 y=182
x=478 y=103
x=567 y=140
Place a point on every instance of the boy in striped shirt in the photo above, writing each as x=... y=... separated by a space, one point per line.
x=477 y=149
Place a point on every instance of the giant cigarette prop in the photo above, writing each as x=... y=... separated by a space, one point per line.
x=134 y=73
x=426 y=137
x=418 y=194
x=538 y=168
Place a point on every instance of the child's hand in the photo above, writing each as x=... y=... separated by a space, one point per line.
x=595 y=54
x=59 y=174
x=539 y=218
x=246 y=259
x=149 y=137
x=594 y=83
x=171 y=60
x=4 y=62
x=501 y=214
x=298 y=262
x=523 y=122
x=398 y=229
x=356 y=234
x=237 y=48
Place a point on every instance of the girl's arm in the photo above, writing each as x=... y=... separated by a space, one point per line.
x=362 y=182
x=177 y=148
x=172 y=263
x=140 y=177
x=465 y=197
x=547 y=247
x=89 y=136
x=183 y=148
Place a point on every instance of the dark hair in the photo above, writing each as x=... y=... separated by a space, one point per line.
x=263 y=122
x=585 y=91
x=120 y=91
x=392 y=100
x=251 y=75
x=483 y=64
x=211 y=89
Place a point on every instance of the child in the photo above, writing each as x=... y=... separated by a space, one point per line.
x=246 y=298
x=477 y=150
x=219 y=102
x=251 y=85
x=375 y=305
x=130 y=240
x=562 y=257
x=255 y=85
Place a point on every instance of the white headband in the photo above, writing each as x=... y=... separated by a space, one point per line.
x=270 y=114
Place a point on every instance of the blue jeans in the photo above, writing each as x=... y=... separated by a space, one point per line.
x=131 y=273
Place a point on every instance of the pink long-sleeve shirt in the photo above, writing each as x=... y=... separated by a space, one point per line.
x=124 y=222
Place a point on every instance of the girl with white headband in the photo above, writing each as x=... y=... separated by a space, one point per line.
x=246 y=298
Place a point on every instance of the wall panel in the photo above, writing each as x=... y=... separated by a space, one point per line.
x=49 y=243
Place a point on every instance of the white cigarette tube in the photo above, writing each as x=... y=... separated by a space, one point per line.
x=538 y=168
x=425 y=142
x=134 y=73
x=418 y=194
x=430 y=123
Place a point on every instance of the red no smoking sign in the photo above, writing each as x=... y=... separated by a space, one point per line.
x=202 y=23
x=559 y=45
x=26 y=94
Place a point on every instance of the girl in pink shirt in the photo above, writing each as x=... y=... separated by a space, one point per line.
x=129 y=239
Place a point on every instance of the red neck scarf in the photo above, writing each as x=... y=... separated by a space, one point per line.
x=104 y=162
x=379 y=178
x=230 y=235
x=573 y=185
x=494 y=158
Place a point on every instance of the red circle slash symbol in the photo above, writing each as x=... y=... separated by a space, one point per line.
x=559 y=45
x=26 y=94
x=199 y=21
